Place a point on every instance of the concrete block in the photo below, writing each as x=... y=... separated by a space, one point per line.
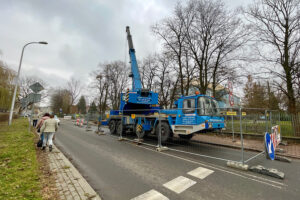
x=267 y=171
x=138 y=141
x=283 y=159
x=161 y=148
x=237 y=165
x=278 y=150
x=284 y=143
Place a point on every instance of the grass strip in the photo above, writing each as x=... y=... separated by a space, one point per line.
x=19 y=169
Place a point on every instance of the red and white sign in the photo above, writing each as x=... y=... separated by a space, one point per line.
x=275 y=136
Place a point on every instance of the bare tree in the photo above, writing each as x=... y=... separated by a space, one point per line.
x=148 y=71
x=171 y=31
x=213 y=36
x=277 y=27
x=164 y=79
x=74 y=87
x=101 y=84
x=61 y=99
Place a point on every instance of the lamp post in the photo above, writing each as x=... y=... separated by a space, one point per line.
x=17 y=81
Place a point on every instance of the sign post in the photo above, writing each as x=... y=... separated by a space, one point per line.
x=34 y=98
x=231 y=102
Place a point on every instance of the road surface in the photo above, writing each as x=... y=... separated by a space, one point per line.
x=123 y=170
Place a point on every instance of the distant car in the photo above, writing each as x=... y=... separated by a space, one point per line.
x=56 y=118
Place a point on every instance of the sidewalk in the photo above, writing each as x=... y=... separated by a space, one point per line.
x=290 y=150
x=70 y=184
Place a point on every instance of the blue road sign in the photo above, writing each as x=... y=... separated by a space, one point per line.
x=269 y=146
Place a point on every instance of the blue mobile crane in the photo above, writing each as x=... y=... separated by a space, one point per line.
x=140 y=113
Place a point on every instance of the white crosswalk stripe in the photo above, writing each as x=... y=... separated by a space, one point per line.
x=201 y=172
x=179 y=184
x=151 y=195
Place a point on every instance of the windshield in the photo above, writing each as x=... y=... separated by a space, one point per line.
x=207 y=106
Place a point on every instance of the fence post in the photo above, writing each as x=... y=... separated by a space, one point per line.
x=270 y=121
x=159 y=132
x=121 y=125
x=266 y=112
x=242 y=140
x=232 y=126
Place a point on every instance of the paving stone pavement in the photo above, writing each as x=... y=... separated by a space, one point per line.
x=70 y=183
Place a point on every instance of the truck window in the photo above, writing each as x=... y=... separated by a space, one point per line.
x=207 y=106
x=201 y=106
x=188 y=106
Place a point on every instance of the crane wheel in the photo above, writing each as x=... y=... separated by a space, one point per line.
x=119 y=128
x=166 y=133
x=112 y=126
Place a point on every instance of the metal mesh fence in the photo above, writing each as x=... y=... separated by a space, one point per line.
x=190 y=130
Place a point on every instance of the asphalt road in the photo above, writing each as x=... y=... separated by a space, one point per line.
x=123 y=170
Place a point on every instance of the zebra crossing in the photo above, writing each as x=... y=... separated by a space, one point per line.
x=177 y=185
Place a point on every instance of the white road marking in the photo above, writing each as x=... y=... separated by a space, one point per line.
x=201 y=172
x=179 y=184
x=151 y=195
x=243 y=175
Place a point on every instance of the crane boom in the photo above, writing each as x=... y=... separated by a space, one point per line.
x=135 y=74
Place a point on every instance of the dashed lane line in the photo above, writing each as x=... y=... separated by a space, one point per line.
x=151 y=195
x=200 y=172
x=179 y=184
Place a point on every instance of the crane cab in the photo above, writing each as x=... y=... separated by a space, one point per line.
x=197 y=113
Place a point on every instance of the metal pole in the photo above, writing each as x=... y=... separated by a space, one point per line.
x=270 y=121
x=17 y=82
x=121 y=124
x=15 y=90
x=30 y=119
x=266 y=120
x=87 y=121
x=232 y=126
x=159 y=132
x=242 y=140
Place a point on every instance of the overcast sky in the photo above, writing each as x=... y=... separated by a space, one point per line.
x=80 y=33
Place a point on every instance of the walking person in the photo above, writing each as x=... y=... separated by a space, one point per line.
x=49 y=128
x=34 y=119
x=40 y=124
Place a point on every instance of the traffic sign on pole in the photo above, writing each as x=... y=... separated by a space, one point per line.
x=269 y=146
x=36 y=87
x=34 y=98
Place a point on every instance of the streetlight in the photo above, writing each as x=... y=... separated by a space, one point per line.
x=17 y=80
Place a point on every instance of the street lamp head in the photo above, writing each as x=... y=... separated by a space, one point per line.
x=99 y=76
x=43 y=42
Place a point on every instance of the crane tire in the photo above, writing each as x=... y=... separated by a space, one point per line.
x=112 y=126
x=166 y=132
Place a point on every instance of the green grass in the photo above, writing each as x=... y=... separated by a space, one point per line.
x=259 y=127
x=19 y=170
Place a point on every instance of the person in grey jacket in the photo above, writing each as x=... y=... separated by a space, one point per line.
x=49 y=128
